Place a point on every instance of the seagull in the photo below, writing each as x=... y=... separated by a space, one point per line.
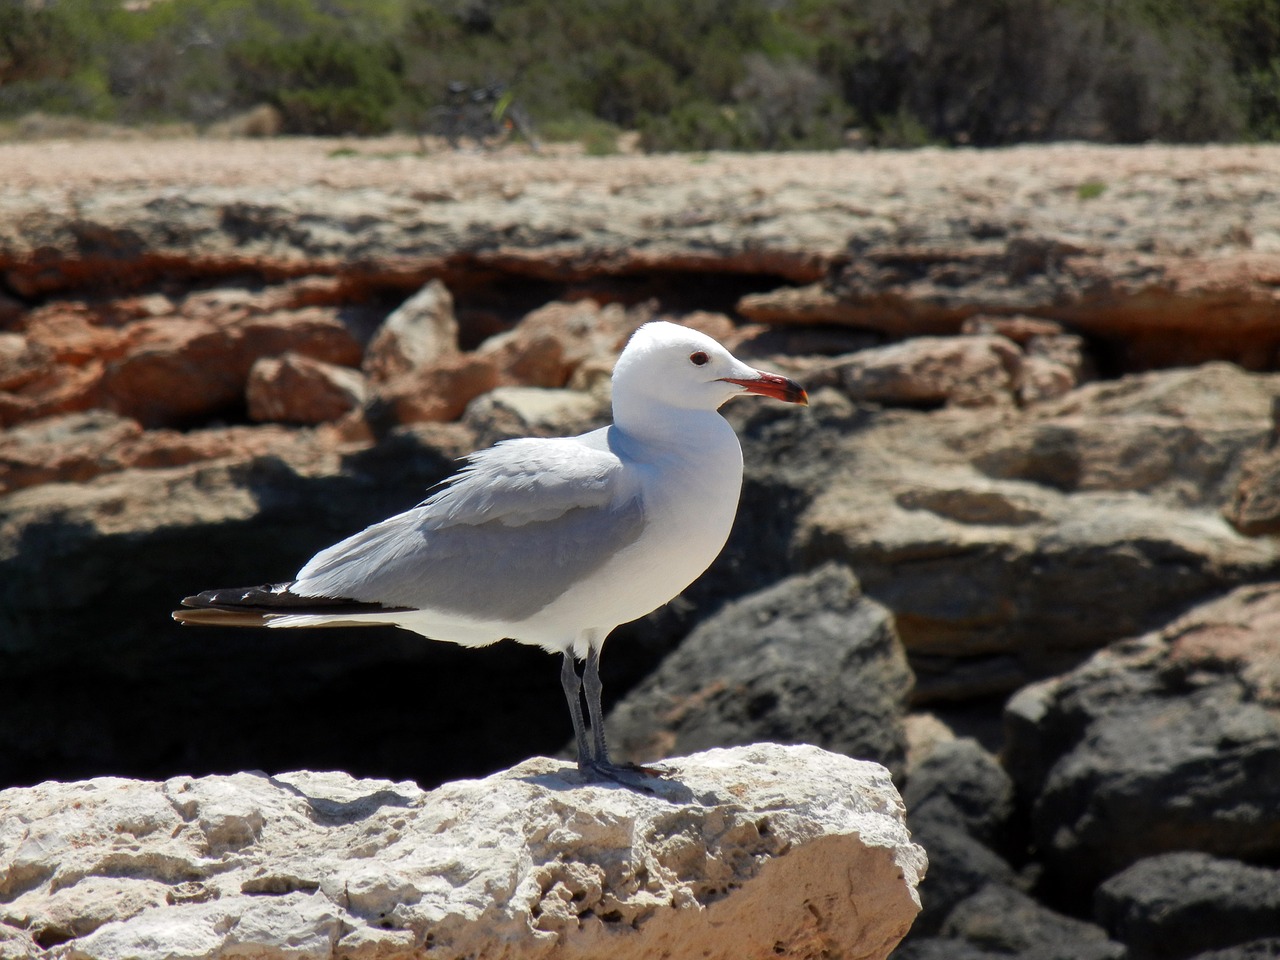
x=548 y=541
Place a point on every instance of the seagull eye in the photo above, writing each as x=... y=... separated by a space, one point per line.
x=698 y=358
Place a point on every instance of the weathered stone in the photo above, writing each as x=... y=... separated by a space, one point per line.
x=1001 y=922
x=1254 y=507
x=532 y=411
x=418 y=334
x=438 y=392
x=970 y=371
x=958 y=783
x=1179 y=905
x=21 y=360
x=1167 y=742
x=545 y=347
x=295 y=389
x=807 y=660
x=765 y=849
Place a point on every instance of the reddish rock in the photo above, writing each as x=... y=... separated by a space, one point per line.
x=970 y=371
x=75 y=333
x=68 y=448
x=75 y=448
x=545 y=348
x=62 y=388
x=176 y=369
x=440 y=392
x=296 y=389
x=22 y=361
x=314 y=332
x=416 y=335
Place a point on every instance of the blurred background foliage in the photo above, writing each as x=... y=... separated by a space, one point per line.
x=683 y=74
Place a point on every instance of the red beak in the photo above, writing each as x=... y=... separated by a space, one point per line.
x=772 y=385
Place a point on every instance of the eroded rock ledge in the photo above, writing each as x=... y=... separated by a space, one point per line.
x=743 y=852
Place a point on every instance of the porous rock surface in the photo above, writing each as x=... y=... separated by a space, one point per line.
x=745 y=852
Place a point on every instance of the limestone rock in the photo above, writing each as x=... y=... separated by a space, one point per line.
x=1254 y=507
x=292 y=388
x=807 y=660
x=972 y=371
x=419 y=333
x=533 y=411
x=1170 y=741
x=1020 y=513
x=1179 y=905
x=785 y=851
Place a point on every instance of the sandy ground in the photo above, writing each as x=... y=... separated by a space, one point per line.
x=394 y=163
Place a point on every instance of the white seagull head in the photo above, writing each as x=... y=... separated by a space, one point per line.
x=675 y=366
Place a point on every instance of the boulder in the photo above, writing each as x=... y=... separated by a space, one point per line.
x=1254 y=508
x=976 y=370
x=506 y=412
x=1001 y=923
x=960 y=807
x=785 y=851
x=549 y=344
x=1167 y=742
x=418 y=334
x=981 y=529
x=809 y=659
x=439 y=391
x=292 y=388
x=1179 y=905
x=177 y=369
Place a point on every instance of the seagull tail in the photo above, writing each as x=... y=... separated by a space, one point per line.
x=259 y=606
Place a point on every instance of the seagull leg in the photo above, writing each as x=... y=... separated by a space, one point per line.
x=591 y=681
x=624 y=773
x=573 y=693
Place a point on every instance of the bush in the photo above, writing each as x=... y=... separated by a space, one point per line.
x=688 y=74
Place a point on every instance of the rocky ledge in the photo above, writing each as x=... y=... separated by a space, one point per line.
x=744 y=852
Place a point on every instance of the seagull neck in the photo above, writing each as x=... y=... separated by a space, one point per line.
x=670 y=426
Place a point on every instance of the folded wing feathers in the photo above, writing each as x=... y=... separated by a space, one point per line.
x=256 y=606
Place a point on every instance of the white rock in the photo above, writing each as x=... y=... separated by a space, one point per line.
x=750 y=851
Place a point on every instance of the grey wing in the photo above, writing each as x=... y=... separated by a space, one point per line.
x=525 y=521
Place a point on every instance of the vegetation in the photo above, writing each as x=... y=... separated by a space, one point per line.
x=684 y=74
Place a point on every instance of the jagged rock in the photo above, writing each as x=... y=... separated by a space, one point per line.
x=1000 y=922
x=972 y=371
x=1020 y=513
x=549 y=344
x=178 y=368
x=292 y=388
x=437 y=392
x=533 y=411
x=1167 y=742
x=960 y=808
x=418 y=334
x=1179 y=905
x=785 y=851
x=958 y=783
x=1254 y=508
x=807 y=660
x=1179 y=435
